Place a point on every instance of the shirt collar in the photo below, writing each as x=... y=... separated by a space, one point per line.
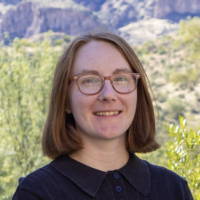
x=82 y=175
x=135 y=171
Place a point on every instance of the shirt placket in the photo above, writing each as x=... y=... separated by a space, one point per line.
x=117 y=184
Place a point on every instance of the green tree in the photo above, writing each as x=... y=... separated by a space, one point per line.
x=26 y=71
x=184 y=154
x=189 y=40
x=189 y=34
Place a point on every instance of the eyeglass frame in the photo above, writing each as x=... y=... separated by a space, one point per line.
x=103 y=78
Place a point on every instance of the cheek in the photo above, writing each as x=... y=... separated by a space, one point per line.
x=80 y=104
x=74 y=97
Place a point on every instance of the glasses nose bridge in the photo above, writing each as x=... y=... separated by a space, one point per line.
x=107 y=78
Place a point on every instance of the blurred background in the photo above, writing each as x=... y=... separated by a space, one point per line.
x=164 y=34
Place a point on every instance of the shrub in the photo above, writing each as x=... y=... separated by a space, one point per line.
x=183 y=154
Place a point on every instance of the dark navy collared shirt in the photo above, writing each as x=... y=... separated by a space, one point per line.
x=67 y=179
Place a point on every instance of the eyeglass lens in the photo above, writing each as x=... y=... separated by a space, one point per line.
x=91 y=83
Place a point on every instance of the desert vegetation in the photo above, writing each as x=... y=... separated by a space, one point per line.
x=172 y=64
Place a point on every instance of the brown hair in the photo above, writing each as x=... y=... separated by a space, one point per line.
x=60 y=135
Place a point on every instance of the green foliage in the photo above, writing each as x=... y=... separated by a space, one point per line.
x=147 y=47
x=175 y=107
x=184 y=156
x=162 y=50
x=161 y=97
x=189 y=40
x=58 y=42
x=190 y=36
x=26 y=71
x=66 y=38
x=187 y=79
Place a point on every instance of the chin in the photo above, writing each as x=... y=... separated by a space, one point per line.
x=111 y=135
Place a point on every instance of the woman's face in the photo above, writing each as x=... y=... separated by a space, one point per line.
x=88 y=110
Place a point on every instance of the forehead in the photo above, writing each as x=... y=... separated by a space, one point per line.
x=101 y=56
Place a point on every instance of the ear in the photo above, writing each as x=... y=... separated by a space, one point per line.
x=68 y=110
x=67 y=106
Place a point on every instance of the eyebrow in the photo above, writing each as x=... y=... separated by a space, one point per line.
x=85 y=71
x=121 y=70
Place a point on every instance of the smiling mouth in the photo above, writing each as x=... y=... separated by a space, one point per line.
x=111 y=113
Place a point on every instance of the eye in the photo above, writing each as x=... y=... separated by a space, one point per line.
x=121 y=78
x=89 y=80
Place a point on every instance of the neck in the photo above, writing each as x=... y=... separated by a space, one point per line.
x=102 y=155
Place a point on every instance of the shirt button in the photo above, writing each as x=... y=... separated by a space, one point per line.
x=116 y=175
x=118 y=189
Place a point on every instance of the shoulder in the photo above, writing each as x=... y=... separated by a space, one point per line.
x=169 y=183
x=40 y=176
x=40 y=184
x=160 y=172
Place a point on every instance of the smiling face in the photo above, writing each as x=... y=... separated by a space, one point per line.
x=107 y=114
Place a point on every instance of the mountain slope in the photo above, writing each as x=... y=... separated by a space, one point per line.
x=24 y=18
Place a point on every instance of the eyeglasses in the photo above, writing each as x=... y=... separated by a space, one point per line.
x=122 y=83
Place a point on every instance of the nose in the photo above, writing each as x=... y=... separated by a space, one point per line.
x=107 y=93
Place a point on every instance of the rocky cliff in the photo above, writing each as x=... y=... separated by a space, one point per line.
x=24 y=18
x=29 y=18
x=118 y=13
x=181 y=8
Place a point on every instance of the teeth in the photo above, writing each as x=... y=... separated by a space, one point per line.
x=107 y=113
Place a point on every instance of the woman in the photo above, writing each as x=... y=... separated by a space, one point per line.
x=100 y=114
